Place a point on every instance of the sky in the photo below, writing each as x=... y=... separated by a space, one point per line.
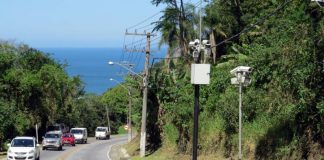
x=72 y=23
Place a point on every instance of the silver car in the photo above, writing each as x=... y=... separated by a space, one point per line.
x=52 y=139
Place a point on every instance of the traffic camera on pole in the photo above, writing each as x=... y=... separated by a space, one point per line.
x=241 y=79
x=241 y=74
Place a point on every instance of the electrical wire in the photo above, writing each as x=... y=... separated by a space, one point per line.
x=154 y=15
x=253 y=25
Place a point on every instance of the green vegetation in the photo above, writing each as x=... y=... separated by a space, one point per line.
x=121 y=130
x=35 y=89
x=283 y=107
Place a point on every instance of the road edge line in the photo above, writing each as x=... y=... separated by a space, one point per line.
x=109 y=149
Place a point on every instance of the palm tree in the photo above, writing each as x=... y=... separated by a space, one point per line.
x=172 y=24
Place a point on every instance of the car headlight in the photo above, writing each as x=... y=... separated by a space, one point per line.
x=9 y=151
x=32 y=151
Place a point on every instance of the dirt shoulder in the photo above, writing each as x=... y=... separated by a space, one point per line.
x=117 y=152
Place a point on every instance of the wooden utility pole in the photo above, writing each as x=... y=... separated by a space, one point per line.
x=145 y=91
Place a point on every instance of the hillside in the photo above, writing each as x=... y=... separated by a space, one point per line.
x=283 y=108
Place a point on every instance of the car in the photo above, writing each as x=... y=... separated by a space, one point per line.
x=68 y=138
x=102 y=133
x=52 y=139
x=23 y=148
x=59 y=127
x=80 y=134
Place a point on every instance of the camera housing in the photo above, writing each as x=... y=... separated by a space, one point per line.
x=191 y=44
x=204 y=42
x=241 y=69
x=197 y=41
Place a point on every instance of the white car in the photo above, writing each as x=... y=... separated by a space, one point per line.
x=102 y=133
x=23 y=148
x=80 y=134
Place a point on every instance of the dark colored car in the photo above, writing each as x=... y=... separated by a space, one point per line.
x=68 y=138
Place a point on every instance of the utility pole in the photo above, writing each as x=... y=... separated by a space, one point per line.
x=129 y=116
x=108 y=118
x=36 y=127
x=199 y=75
x=196 y=105
x=145 y=91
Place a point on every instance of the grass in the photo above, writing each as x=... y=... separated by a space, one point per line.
x=121 y=130
x=267 y=136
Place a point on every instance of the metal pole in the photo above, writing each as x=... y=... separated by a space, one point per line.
x=240 y=120
x=200 y=21
x=144 y=108
x=108 y=118
x=36 y=133
x=129 y=117
x=196 y=120
x=196 y=107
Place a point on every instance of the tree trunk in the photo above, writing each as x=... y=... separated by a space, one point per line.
x=181 y=28
x=238 y=13
x=212 y=40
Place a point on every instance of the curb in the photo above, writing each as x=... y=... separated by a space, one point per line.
x=3 y=155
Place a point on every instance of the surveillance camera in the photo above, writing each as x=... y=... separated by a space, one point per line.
x=205 y=42
x=196 y=41
x=241 y=69
x=191 y=44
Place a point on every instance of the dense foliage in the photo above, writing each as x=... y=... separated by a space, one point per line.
x=35 y=89
x=282 y=108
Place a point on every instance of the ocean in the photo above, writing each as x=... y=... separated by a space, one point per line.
x=91 y=64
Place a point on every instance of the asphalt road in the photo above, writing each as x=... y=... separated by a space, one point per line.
x=94 y=149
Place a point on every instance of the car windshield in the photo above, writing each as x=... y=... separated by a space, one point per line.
x=50 y=135
x=101 y=129
x=76 y=131
x=53 y=128
x=22 y=143
x=67 y=135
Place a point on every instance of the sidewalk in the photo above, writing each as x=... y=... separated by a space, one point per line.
x=117 y=152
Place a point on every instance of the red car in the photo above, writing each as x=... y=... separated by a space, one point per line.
x=68 y=138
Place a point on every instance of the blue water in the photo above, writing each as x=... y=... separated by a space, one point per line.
x=91 y=64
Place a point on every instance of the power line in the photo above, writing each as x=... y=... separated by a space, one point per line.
x=144 y=27
x=253 y=25
x=144 y=20
x=138 y=41
x=123 y=53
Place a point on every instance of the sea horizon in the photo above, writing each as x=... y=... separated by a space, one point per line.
x=91 y=64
